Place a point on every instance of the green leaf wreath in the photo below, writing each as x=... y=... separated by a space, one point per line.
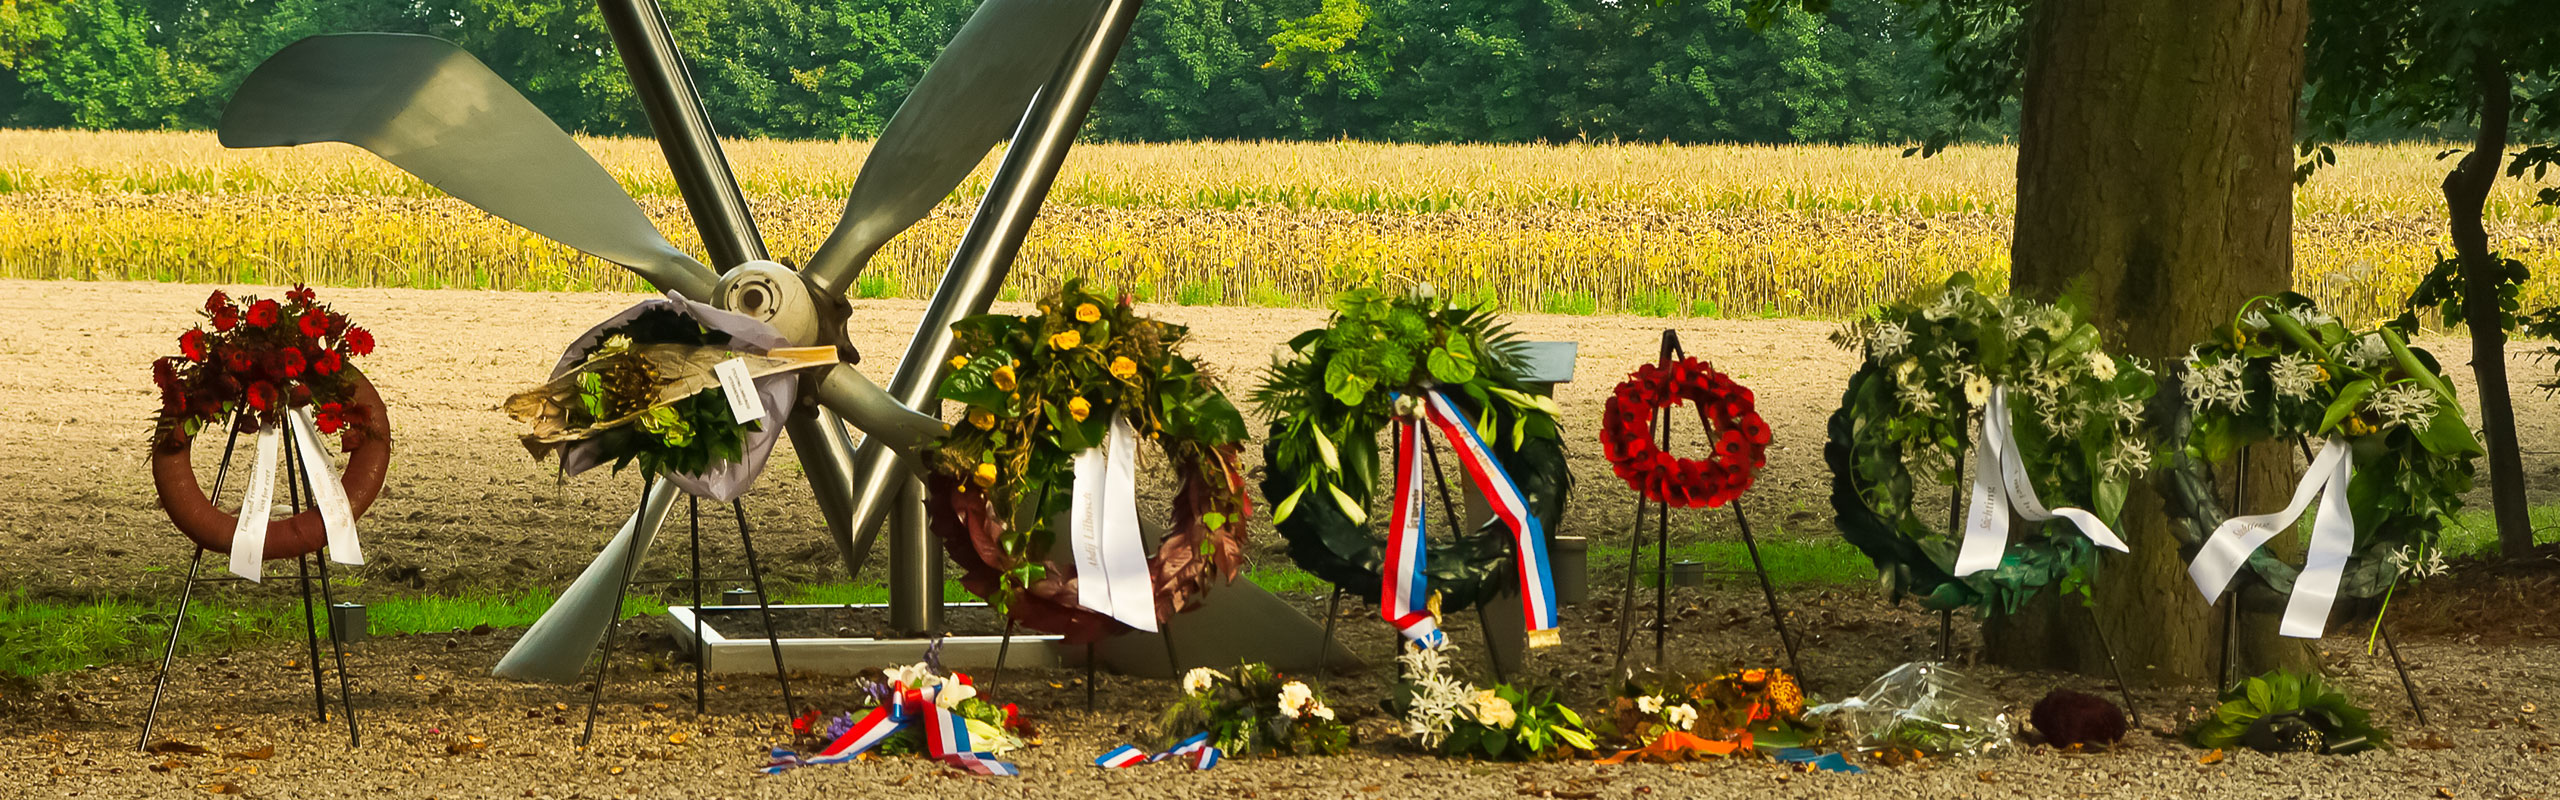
x=1255 y=711
x=2284 y=371
x=1036 y=389
x=1909 y=415
x=1336 y=390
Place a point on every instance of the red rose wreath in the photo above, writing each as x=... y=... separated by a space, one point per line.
x=260 y=359
x=1724 y=407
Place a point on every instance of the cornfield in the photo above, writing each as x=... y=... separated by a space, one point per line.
x=1661 y=230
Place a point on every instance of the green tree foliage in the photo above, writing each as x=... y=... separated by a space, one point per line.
x=1460 y=70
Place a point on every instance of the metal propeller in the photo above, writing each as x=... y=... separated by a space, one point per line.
x=435 y=111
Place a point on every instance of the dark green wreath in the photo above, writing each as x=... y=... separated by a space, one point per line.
x=2409 y=474
x=1940 y=356
x=1333 y=393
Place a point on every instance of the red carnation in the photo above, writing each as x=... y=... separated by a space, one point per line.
x=192 y=344
x=312 y=324
x=217 y=302
x=262 y=396
x=328 y=363
x=359 y=340
x=300 y=294
x=263 y=313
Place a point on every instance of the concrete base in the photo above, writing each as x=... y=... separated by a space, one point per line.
x=741 y=652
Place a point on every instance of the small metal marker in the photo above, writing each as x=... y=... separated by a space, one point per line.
x=347 y=623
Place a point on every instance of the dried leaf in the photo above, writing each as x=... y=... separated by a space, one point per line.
x=170 y=765
x=1987 y=776
x=678 y=737
x=559 y=706
x=467 y=744
x=222 y=787
x=613 y=770
x=260 y=754
x=167 y=746
x=2432 y=742
x=2214 y=757
x=2445 y=793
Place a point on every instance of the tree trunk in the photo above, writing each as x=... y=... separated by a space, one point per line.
x=2466 y=193
x=2155 y=183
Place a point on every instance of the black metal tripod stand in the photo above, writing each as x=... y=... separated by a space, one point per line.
x=701 y=651
x=297 y=476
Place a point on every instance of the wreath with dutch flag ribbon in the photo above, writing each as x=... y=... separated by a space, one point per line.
x=1413 y=366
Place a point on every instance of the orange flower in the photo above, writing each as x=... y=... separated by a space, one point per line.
x=1066 y=340
x=959 y=361
x=986 y=475
x=1003 y=377
x=1088 y=313
x=1123 y=368
x=1754 y=677
x=1079 y=409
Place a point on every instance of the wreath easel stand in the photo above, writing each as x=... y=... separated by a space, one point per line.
x=296 y=476
x=1672 y=351
x=628 y=565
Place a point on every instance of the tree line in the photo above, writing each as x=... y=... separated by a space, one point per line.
x=1391 y=70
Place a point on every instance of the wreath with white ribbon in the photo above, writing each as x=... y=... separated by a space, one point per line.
x=2057 y=441
x=1056 y=405
x=2394 y=455
x=1423 y=367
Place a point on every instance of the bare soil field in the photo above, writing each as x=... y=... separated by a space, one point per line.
x=467 y=510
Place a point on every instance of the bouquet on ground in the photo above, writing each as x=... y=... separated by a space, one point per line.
x=2287 y=712
x=1255 y=711
x=1677 y=720
x=260 y=359
x=915 y=709
x=1454 y=718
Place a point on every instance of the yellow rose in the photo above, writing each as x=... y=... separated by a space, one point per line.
x=1004 y=377
x=959 y=361
x=984 y=419
x=986 y=475
x=1123 y=368
x=1088 y=313
x=1079 y=409
x=1066 y=340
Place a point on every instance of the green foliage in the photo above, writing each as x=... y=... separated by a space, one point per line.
x=1226 y=69
x=2340 y=723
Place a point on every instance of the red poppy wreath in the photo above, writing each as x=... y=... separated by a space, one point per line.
x=1724 y=407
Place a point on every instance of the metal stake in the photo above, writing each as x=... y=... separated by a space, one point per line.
x=1004 y=647
x=186 y=592
x=2406 y=685
x=2099 y=630
x=1955 y=522
x=764 y=607
x=1324 y=651
x=2231 y=612
x=1627 y=593
x=701 y=652
x=298 y=476
x=1768 y=590
x=612 y=630
x=1091 y=676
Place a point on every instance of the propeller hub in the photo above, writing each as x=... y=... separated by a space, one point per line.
x=773 y=294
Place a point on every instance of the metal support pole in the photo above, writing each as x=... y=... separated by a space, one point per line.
x=311 y=637
x=2125 y=690
x=1332 y=610
x=1955 y=524
x=298 y=475
x=2406 y=685
x=2231 y=612
x=613 y=628
x=764 y=607
x=979 y=264
x=701 y=651
x=1092 y=676
x=160 y=684
x=684 y=132
x=1004 y=647
x=1768 y=590
x=1627 y=593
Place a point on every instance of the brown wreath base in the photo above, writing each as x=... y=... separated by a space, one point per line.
x=173 y=474
x=969 y=529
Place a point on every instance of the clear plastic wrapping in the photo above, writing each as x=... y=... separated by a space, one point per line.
x=1921 y=706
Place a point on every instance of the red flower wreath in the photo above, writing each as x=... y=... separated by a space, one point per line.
x=1724 y=407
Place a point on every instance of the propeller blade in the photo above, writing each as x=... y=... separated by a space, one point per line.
x=865 y=405
x=426 y=106
x=971 y=98
x=558 y=645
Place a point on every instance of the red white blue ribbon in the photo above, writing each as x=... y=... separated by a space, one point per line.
x=1404 y=584
x=1194 y=752
x=946 y=736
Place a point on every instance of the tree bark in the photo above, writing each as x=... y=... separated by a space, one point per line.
x=2466 y=194
x=2155 y=184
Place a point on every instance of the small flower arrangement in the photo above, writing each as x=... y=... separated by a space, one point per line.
x=1454 y=718
x=2282 y=712
x=1735 y=711
x=993 y=729
x=1255 y=711
x=260 y=358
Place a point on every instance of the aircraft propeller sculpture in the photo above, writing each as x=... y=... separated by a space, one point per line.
x=1027 y=69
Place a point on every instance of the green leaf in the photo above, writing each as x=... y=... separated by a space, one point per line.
x=974 y=384
x=2349 y=400
x=1070 y=434
x=2447 y=434
x=1453 y=364
x=1281 y=513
